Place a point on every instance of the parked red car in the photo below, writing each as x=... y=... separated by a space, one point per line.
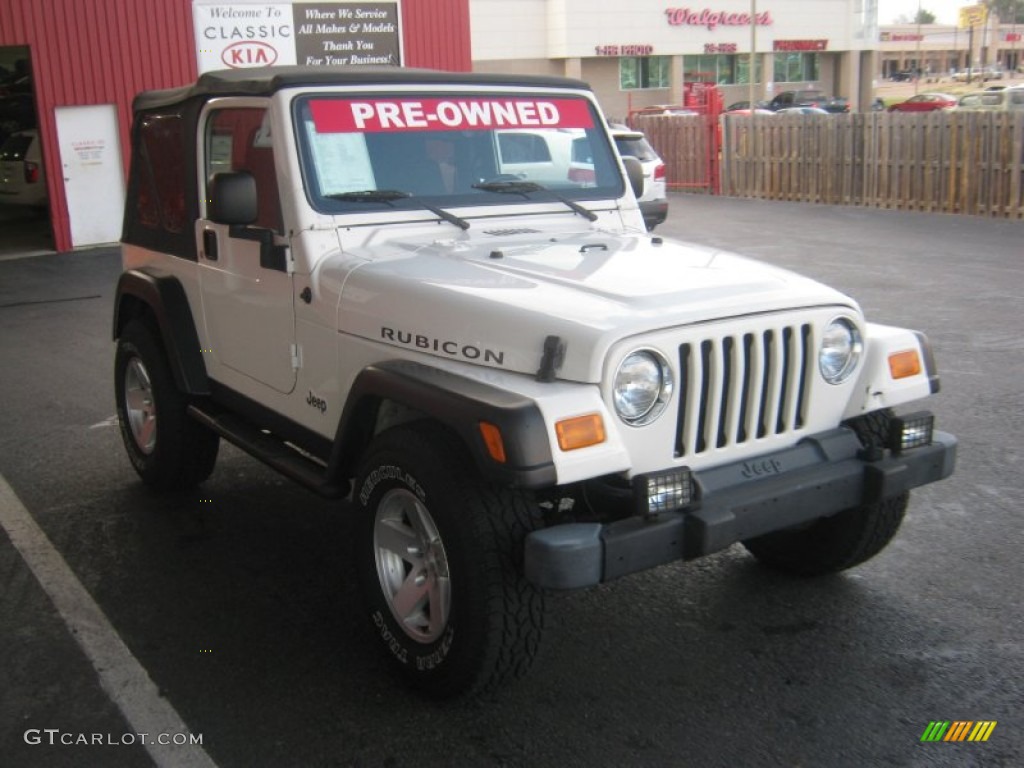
x=925 y=102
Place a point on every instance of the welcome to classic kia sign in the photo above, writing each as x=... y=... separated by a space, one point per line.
x=244 y=34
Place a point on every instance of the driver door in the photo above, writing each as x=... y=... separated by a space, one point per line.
x=248 y=309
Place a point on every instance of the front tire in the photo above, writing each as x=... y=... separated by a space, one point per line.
x=846 y=539
x=439 y=556
x=169 y=450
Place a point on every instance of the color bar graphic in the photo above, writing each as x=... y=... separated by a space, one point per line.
x=958 y=730
x=935 y=731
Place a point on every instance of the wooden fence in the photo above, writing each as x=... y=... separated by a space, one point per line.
x=950 y=162
x=687 y=145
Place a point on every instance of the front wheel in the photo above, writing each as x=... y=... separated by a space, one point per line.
x=439 y=556
x=846 y=539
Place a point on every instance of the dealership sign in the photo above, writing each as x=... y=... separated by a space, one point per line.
x=245 y=34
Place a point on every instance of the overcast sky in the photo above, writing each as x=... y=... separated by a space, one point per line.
x=945 y=10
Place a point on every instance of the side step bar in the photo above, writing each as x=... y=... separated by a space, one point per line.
x=272 y=451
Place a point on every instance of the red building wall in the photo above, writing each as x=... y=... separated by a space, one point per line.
x=87 y=52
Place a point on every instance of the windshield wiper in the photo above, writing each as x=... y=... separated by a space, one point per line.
x=525 y=187
x=390 y=195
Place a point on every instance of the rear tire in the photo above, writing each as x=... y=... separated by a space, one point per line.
x=439 y=555
x=846 y=539
x=169 y=450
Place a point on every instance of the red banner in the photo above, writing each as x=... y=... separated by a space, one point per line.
x=469 y=114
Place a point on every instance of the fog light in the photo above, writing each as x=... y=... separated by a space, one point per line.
x=663 y=491
x=911 y=431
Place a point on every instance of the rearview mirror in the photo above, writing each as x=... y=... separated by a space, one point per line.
x=232 y=198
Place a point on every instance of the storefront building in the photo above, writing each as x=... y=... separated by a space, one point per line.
x=646 y=52
x=77 y=64
x=938 y=50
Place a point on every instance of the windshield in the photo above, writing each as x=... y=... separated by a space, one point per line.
x=451 y=151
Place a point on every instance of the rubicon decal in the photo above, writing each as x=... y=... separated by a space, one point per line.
x=383 y=115
x=442 y=346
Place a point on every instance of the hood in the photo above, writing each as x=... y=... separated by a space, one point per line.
x=493 y=299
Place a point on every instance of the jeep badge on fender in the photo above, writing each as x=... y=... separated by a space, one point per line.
x=432 y=297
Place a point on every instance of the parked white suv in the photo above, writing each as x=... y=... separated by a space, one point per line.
x=520 y=387
x=22 y=176
x=654 y=198
x=1003 y=100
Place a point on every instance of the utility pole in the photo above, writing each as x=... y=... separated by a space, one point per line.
x=917 y=61
x=753 y=52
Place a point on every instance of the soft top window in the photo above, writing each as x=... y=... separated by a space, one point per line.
x=444 y=147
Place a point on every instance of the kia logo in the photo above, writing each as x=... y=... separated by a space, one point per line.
x=249 y=53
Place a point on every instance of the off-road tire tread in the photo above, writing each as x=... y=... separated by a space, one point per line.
x=499 y=519
x=846 y=539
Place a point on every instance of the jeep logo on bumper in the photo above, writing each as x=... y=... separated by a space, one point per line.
x=761 y=468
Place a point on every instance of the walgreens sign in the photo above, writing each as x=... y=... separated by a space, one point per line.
x=710 y=18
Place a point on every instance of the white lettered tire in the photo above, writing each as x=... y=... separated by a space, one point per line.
x=439 y=557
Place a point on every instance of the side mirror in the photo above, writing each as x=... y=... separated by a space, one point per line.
x=635 y=174
x=232 y=198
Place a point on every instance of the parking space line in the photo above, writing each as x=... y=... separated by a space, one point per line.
x=121 y=675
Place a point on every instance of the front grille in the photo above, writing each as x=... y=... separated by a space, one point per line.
x=741 y=387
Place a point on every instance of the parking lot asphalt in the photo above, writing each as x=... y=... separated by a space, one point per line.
x=238 y=605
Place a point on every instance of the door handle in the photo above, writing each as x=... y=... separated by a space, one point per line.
x=210 y=244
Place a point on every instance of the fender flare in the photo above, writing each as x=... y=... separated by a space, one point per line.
x=163 y=295
x=458 y=403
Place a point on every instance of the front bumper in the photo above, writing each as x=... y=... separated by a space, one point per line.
x=819 y=477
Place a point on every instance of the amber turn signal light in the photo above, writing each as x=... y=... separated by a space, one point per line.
x=492 y=439
x=580 y=431
x=904 y=364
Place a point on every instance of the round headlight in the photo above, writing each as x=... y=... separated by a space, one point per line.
x=841 y=348
x=643 y=386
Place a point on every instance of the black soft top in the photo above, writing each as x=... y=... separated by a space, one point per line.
x=265 y=81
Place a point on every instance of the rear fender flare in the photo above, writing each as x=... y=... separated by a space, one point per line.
x=162 y=297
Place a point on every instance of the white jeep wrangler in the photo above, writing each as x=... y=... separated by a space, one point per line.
x=352 y=275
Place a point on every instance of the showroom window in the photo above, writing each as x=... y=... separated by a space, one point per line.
x=796 y=67
x=743 y=69
x=720 y=68
x=644 y=72
x=715 y=68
